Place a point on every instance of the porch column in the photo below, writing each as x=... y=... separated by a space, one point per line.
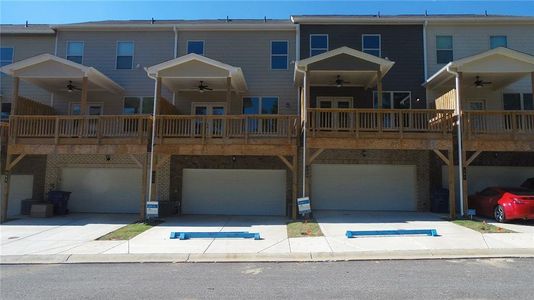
x=84 y=110
x=452 y=192
x=228 y=93
x=294 y=186
x=5 y=190
x=379 y=88
x=15 y=100
x=462 y=167
x=144 y=179
x=158 y=96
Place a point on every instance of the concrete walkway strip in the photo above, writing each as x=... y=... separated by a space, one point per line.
x=266 y=257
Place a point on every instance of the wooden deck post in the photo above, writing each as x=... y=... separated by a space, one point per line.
x=5 y=191
x=532 y=82
x=379 y=88
x=15 y=100
x=452 y=192
x=84 y=109
x=305 y=150
x=144 y=179
x=464 y=183
x=228 y=94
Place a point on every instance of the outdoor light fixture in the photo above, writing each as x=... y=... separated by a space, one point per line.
x=108 y=158
x=234 y=158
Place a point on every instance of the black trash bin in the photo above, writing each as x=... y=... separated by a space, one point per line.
x=60 y=200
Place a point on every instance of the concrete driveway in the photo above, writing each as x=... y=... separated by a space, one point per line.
x=156 y=240
x=334 y=224
x=70 y=234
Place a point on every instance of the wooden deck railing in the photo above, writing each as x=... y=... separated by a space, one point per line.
x=90 y=127
x=499 y=124
x=379 y=121
x=227 y=126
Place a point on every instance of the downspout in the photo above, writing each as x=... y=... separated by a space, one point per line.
x=175 y=56
x=460 y=143
x=425 y=55
x=152 y=142
x=304 y=130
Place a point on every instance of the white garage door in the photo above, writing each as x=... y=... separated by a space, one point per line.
x=363 y=187
x=481 y=177
x=102 y=190
x=234 y=192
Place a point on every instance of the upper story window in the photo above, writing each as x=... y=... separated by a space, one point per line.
x=517 y=101
x=196 y=47
x=318 y=44
x=260 y=105
x=498 y=41
x=6 y=56
x=125 y=53
x=444 y=53
x=371 y=44
x=279 y=55
x=138 y=105
x=75 y=51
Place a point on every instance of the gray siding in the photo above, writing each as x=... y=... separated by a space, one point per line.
x=25 y=46
x=150 y=48
x=402 y=44
x=251 y=51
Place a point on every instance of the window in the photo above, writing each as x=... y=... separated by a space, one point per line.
x=517 y=101
x=498 y=41
x=444 y=53
x=94 y=109
x=196 y=47
x=75 y=51
x=260 y=105
x=279 y=55
x=138 y=105
x=371 y=44
x=318 y=44
x=6 y=111
x=6 y=56
x=125 y=52
x=396 y=100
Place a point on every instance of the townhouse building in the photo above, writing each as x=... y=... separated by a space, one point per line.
x=356 y=112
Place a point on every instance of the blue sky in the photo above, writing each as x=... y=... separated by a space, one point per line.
x=57 y=12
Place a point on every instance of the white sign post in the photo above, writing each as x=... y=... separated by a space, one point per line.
x=304 y=205
x=152 y=209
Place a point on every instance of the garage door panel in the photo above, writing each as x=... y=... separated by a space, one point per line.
x=364 y=187
x=102 y=190
x=233 y=192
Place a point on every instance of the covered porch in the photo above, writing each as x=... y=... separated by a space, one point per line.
x=474 y=87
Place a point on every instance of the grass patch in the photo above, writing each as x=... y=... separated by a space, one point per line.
x=128 y=232
x=303 y=229
x=481 y=226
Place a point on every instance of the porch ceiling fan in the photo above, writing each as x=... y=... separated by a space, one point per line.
x=71 y=87
x=339 y=82
x=203 y=87
x=479 y=83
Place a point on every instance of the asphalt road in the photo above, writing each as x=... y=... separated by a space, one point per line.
x=436 y=279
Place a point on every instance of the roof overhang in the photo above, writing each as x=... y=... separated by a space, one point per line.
x=53 y=73
x=356 y=67
x=185 y=72
x=501 y=66
x=410 y=19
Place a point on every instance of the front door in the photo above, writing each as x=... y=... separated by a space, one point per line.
x=86 y=126
x=214 y=126
x=480 y=122
x=334 y=119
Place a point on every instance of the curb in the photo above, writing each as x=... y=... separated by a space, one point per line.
x=265 y=257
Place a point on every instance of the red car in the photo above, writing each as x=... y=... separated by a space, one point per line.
x=504 y=204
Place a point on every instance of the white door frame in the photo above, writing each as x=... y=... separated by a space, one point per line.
x=209 y=106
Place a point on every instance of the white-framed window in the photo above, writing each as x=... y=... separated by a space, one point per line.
x=517 y=101
x=138 y=105
x=125 y=55
x=279 y=55
x=476 y=104
x=318 y=44
x=254 y=105
x=444 y=49
x=5 y=112
x=196 y=47
x=394 y=99
x=498 y=41
x=94 y=109
x=371 y=44
x=75 y=51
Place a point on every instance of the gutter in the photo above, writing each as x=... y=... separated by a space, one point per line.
x=460 y=141
x=304 y=129
x=425 y=55
x=152 y=142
